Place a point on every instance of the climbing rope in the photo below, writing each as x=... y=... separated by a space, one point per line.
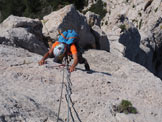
x=62 y=86
x=68 y=90
x=68 y=85
x=68 y=77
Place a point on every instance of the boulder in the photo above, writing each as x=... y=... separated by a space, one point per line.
x=15 y=22
x=29 y=92
x=68 y=18
x=130 y=38
x=102 y=41
x=23 y=32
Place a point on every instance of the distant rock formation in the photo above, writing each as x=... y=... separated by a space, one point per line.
x=148 y=24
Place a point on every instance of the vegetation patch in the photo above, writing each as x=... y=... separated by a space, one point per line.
x=122 y=27
x=140 y=14
x=156 y=9
x=133 y=6
x=125 y=107
x=140 y=24
x=98 y=8
x=109 y=12
x=161 y=27
x=102 y=23
x=106 y=23
x=36 y=8
x=134 y=20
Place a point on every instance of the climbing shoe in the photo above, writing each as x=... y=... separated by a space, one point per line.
x=87 y=68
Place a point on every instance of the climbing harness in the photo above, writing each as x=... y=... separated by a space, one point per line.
x=68 y=85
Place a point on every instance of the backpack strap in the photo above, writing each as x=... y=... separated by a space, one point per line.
x=68 y=36
x=71 y=36
x=62 y=37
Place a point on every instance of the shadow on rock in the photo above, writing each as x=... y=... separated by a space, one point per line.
x=93 y=71
x=140 y=51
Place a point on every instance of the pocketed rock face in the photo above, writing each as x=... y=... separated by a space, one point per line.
x=23 y=32
x=31 y=93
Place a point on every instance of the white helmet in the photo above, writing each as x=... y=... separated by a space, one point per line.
x=59 y=50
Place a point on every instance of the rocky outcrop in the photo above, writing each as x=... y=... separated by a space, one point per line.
x=31 y=93
x=101 y=38
x=154 y=42
x=23 y=32
x=92 y=18
x=68 y=18
x=145 y=18
x=102 y=41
